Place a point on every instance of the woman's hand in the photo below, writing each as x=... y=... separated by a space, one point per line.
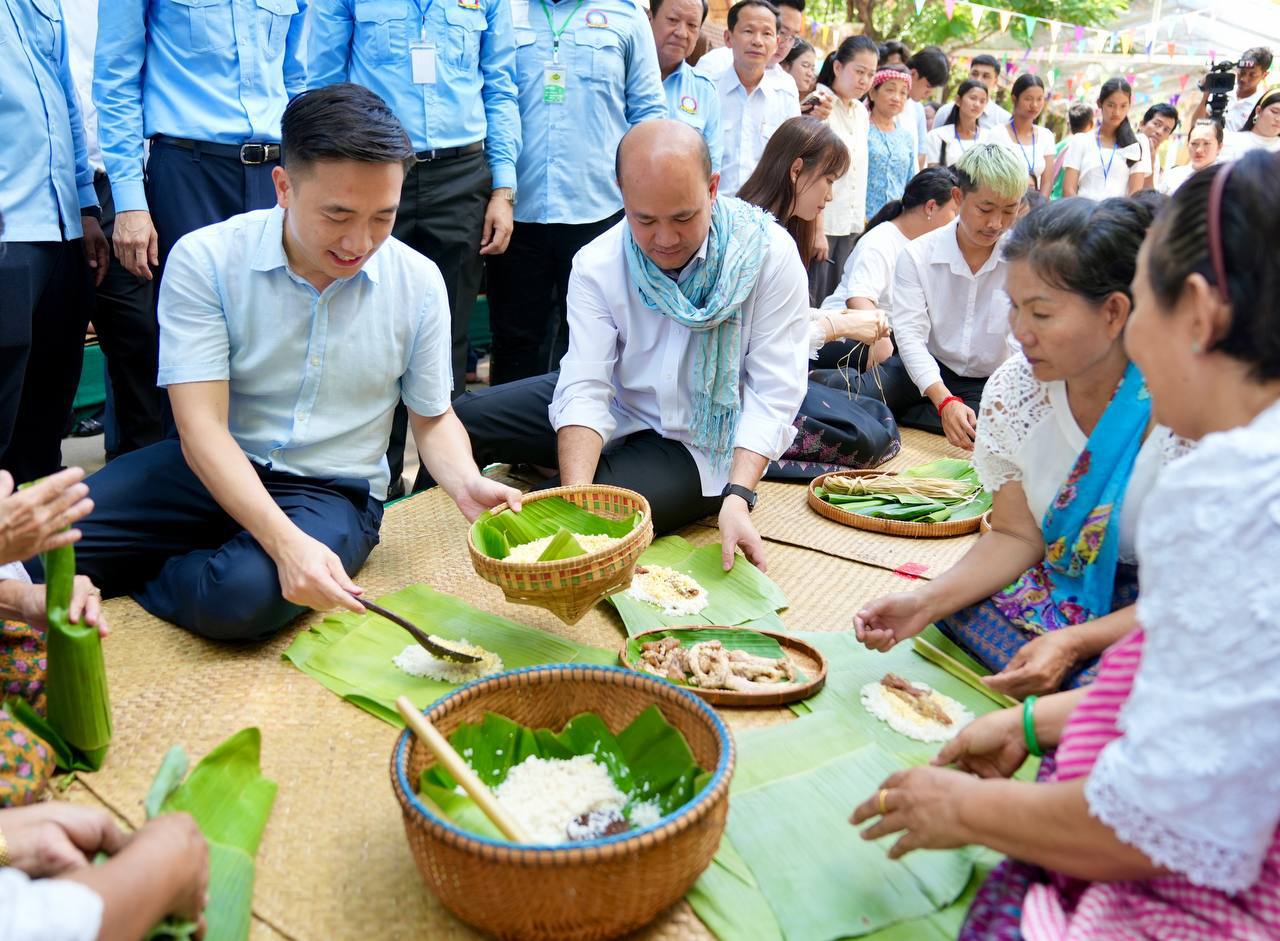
x=923 y=802
x=893 y=618
x=1038 y=668
x=992 y=746
x=86 y=604
x=48 y=839
x=175 y=844
x=864 y=326
x=36 y=519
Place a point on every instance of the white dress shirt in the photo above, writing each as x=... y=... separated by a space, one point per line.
x=81 y=18
x=992 y=115
x=868 y=273
x=715 y=62
x=846 y=214
x=47 y=909
x=944 y=313
x=627 y=367
x=749 y=120
x=956 y=147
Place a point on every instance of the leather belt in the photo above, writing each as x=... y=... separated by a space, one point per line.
x=450 y=153
x=251 y=155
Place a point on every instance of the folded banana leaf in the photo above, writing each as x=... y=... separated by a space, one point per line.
x=350 y=654
x=649 y=760
x=230 y=801
x=744 y=596
x=496 y=533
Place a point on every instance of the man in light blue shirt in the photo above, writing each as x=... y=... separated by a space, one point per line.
x=287 y=336
x=206 y=82
x=50 y=227
x=585 y=74
x=691 y=98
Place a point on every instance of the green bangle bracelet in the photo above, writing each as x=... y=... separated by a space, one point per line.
x=1029 y=726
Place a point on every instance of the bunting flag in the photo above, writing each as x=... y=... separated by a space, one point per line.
x=1079 y=33
x=1172 y=47
x=950 y=6
x=1182 y=82
x=919 y=7
x=977 y=12
x=1054 y=26
x=1005 y=17
x=1030 y=22
x=1126 y=42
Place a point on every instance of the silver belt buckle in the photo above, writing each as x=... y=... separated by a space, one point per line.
x=253 y=154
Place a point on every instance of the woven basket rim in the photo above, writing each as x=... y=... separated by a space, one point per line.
x=646 y=516
x=912 y=528
x=586 y=850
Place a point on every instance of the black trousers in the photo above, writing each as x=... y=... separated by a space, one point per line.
x=125 y=320
x=913 y=410
x=45 y=302
x=441 y=215
x=509 y=423
x=527 y=288
x=157 y=533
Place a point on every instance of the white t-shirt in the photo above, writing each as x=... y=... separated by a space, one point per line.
x=992 y=115
x=1104 y=171
x=1027 y=434
x=1238 y=143
x=1175 y=177
x=1037 y=156
x=943 y=143
x=1239 y=109
x=868 y=272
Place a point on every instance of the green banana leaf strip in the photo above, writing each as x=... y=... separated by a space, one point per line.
x=350 y=654
x=172 y=770
x=648 y=760
x=948 y=468
x=902 y=512
x=742 y=596
x=562 y=546
x=543 y=518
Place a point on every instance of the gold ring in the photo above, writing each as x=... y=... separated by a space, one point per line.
x=884 y=792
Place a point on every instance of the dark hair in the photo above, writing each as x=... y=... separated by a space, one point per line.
x=1266 y=101
x=844 y=55
x=1259 y=56
x=737 y=8
x=1033 y=199
x=891 y=67
x=936 y=183
x=1023 y=82
x=968 y=85
x=770 y=187
x=1162 y=110
x=1179 y=247
x=1079 y=117
x=342 y=122
x=1152 y=200
x=892 y=47
x=1125 y=135
x=983 y=59
x=656 y=5
x=1085 y=247
x=932 y=64
x=1208 y=122
x=800 y=48
x=794 y=4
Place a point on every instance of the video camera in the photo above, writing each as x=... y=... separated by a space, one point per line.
x=1218 y=83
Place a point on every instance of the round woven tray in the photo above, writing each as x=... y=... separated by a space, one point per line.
x=579 y=892
x=569 y=588
x=888 y=527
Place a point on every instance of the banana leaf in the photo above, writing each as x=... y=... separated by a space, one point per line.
x=949 y=468
x=230 y=801
x=753 y=642
x=495 y=533
x=744 y=596
x=649 y=760
x=350 y=654
x=562 y=546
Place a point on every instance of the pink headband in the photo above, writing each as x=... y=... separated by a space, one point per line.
x=885 y=75
x=1216 y=255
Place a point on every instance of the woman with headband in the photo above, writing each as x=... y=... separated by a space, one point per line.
x=1157 y=817
x=891 y=151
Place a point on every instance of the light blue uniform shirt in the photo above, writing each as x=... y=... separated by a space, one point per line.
x=45 y=178
x=474 y=95
x=220 y=71
x=693 y=99
x=314 y=375
x=611 y=82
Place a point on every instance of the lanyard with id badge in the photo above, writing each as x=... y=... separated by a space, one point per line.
x=553 y=83
x=422 y=54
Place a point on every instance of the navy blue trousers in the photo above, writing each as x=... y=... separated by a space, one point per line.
x=156 y=533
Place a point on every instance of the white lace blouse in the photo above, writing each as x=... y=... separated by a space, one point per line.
x=1194 y=782
x=1026 y=433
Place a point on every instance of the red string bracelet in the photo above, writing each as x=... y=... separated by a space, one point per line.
x=947 y=401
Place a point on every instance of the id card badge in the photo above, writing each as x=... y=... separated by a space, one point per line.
x=520 y=14
x=553 y=85
x=422 y=58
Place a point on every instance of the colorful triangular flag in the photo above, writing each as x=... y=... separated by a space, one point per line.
x=1005 y=17
x=950 y=6
x=1030 y=22
x=977 y=12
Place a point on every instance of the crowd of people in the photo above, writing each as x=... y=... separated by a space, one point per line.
x=279 y=215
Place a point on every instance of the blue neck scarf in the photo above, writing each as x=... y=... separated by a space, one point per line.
x=709 y=302
x=1076 y=580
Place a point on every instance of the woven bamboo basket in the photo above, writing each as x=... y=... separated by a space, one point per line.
x=888 y=527
x=569 y=588
x=584 y=891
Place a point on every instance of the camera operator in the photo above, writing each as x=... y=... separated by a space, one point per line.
x=1250 y=72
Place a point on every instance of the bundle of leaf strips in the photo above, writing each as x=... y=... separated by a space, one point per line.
x=77 y=721
x=496 y=533
x=649 y=760
x=932 y=493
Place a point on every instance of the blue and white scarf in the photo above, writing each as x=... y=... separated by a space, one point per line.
x=709 y=302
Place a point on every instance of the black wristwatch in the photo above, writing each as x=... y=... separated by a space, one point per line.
x=94 y=211
x=738 y=490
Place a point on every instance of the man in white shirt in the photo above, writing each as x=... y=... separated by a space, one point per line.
x=986 y=70
x=1251 y=71
x=754 y=99
x=715 y=62
x=950 y=314
x=664 y=390
x=930 y=69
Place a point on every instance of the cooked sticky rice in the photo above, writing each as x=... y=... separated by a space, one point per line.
x=674 y=592
x=546 y=795
x=416 y=660
x=905 y=720
x=532 y=551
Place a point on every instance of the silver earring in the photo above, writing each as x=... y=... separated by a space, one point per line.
x=1195 y=349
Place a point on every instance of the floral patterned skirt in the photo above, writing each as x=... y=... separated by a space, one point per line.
x=26 y=762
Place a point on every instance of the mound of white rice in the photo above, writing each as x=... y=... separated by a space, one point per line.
x=546 y=795
x=417 y=661
x=531 y=551
x=674 y=592
x=904 y=720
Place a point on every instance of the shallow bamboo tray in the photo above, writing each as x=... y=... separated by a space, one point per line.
x=889 y=527
x=806 y=657
x=579 y=892
x=569 y=588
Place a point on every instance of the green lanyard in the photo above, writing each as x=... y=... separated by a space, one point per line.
x=557 y=33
